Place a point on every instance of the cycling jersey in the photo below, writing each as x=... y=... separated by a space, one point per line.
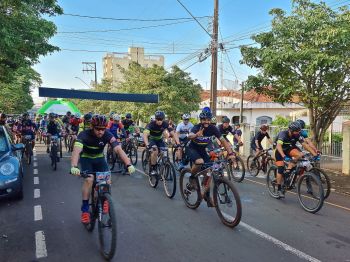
x=156 y=131
x=66 y=119
x=237 y=132
x=208 y=132
x=127 y=123
x=53 y=128
x=74 y=122
x=84 y=126
x=258 y=136
x=92 y=145
x=225 y=131
x=288 y=141
x=184 y=130
x=117 y=130
x=43 y=124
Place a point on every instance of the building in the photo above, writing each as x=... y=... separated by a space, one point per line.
x=135 y=54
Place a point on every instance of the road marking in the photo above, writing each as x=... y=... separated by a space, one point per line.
x=326 y=202
x=35 y=164
x=35 y=158
x=34 y=153
x=279 y=243
x=40 y=244
x=139 y=170
x=36 y=193
x=36 y=180
x=35 y=171
x=37 y=213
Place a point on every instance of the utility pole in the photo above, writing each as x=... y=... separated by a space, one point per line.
x=214 y=59
x=241 y=105
x=90 y=67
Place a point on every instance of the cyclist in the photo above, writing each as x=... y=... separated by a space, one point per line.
x=66 y=120
x=182 y=131
x=86 y=124
x=225 y=128
x=89 y=148
x=153 y=137
x=53 y=129
x=255 y=144
x=305 y=135
x=200 y=137
x=287 y=149
x=27 y=128
x=237 y=137
x=74 y=125
x=116 y=128
x=129 y=124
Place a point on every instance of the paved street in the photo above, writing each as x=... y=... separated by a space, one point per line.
x=46 y=226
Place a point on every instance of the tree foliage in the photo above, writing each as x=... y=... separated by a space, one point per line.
x=305 y=57
x=24 y=37
x=280 y=121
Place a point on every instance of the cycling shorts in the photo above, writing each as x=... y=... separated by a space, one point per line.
x=291 y=152
x=195 y=152
x=93 y=164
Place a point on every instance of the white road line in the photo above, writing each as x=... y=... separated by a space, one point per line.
x=37 y=213
x=35 y=164
x=35 y=171
x=36 y=193
x=34 y=153
x=279 y=243
x=267 y=237
x=36 y=180
x=35 y=158
x=40 y=244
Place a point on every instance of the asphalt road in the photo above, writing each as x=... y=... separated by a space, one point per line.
x=45 y=225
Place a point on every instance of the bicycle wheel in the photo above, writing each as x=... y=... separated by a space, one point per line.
x=61 y=153
x=271 y=181
x=169 y=179
x=28 y=153
x=190 y=189
x=310 y=192
x=110 y=158
x=227 y=202
x=107 y=227
x=324 y=178
x=253 y=165
x=53 y=155
x=236 y=169
x=92 y=210
x=133 y=154
x=269 y=163
x=144 y=159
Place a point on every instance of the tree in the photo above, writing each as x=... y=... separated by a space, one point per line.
x=280 y=121
x=305 y=57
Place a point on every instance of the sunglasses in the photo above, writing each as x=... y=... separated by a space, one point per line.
x=100 y=128
x=159 y=119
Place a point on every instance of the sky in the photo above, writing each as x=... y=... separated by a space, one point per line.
x=180 y=41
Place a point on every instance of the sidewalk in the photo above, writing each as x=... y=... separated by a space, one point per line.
x=340 y=183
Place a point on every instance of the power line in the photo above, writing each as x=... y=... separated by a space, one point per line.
x=134 y=19
x=123 y=29
x=194 y=18
x=120 y=53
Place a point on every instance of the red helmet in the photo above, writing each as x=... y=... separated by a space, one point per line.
x=99 y=121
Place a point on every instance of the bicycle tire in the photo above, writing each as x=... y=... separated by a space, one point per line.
x=169 y=174
x=144 y=159
x=320 y=188
x=326 y=182
x=237 y=201
x=253 y=167
x=28 y=153
x=54 y=157
x=110 y=159
x=108 y=250
x=186 y=189
x=271 y=177
x=93 y=211
x=61 y=153
x=240 y=167
x=133 y=155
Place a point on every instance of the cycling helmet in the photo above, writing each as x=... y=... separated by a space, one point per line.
x=99 y=121
x=3 y=115
x=213 y=120
x=51 y=115
x=128 y=116
x=116 y=117
x=301 y=123
x=186 y=116
x=225 y=119
x=159 y=115
x=264 y=127
x=68 y=113
x=152 y=118
x=111 y=114
x=87 y=117
x=294 y=126
x=25 y=115
x=205 y=114
x=207 y=109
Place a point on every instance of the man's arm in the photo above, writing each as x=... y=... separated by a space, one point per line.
x=118 y=149
x=175 y=137
x=145 y=136
x=76 y=154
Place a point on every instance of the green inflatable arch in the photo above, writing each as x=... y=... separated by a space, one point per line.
x=58 y=106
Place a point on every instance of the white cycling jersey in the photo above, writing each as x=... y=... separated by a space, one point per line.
x=184 y=129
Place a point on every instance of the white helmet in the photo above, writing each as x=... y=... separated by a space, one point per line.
x=77 y=115
x=152 y=118
x=186 y=116
x=116 y=117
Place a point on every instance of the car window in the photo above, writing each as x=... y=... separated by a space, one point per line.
x=3 y=143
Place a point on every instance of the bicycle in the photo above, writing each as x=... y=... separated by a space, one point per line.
x=71 y=142
x=185 y=158
x=101 y=208
x=309 y=187
x=130 y=150
x=113 y=159
x=254 y=164
x=54 y=151
x=225 y=195
x=165 y=171
x=28 y=148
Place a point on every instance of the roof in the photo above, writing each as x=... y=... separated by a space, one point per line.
x=250 y=96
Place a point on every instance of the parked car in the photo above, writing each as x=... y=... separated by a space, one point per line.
x=11 y=171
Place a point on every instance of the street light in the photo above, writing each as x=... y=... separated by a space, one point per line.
x=83 y=81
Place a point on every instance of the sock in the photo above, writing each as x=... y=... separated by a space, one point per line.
x=85 y=206
x=279 y=187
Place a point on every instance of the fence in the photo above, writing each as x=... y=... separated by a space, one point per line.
x=332 y=149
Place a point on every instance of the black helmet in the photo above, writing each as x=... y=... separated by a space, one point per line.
x=294 y=126
x=159 y=115
x=87 y=117
x=205 y=114
x=128 y=116
x=225 y=119
x=68 y=113
x=301 y=122
x=25 y=115
x=51 y=115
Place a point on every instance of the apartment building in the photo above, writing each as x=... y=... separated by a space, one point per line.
x=135 y=54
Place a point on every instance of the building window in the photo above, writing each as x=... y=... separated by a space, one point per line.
x=261 y=120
